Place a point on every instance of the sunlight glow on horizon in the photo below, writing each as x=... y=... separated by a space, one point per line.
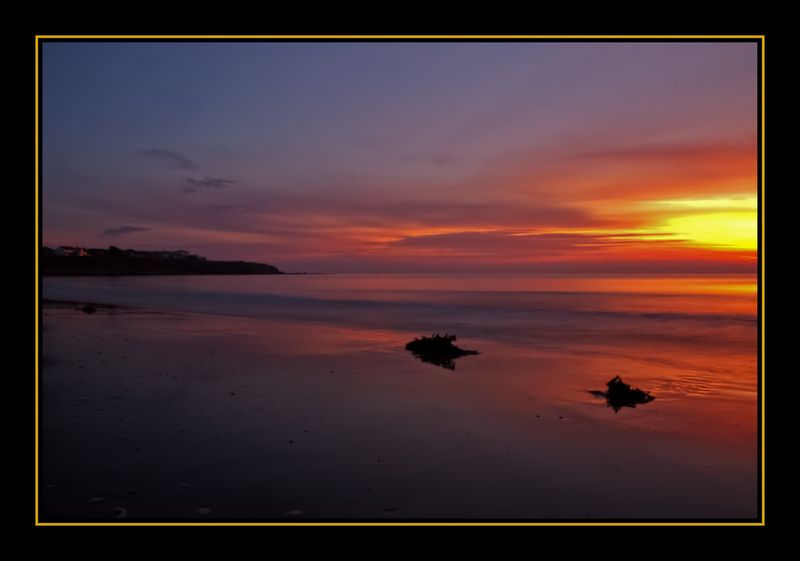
x=723 y=230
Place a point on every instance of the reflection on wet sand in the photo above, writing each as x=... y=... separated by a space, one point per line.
x=315 y=410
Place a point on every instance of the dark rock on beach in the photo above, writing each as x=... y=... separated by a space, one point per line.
x=438 y=349
x=620 y=394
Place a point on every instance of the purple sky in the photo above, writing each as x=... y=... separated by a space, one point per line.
x=404 y=156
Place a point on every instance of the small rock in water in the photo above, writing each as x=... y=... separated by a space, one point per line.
x=620 y=394
x=88 y=309
x=438 y=350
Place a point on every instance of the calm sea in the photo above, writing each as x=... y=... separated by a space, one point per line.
x=522 y=406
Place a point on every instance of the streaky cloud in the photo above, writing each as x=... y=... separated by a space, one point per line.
x=195 y=185
x=711 y=151
x=121 y=231
x=170 y=158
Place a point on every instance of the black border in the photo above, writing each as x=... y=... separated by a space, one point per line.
x=761 y=82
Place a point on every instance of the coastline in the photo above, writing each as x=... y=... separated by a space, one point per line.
x=117 y=262
x=163 y=274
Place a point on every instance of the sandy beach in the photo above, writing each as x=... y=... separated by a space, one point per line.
x=163 y=415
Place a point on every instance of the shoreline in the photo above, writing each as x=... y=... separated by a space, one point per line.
x=182 y=416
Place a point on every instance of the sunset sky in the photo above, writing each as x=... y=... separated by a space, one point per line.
x=407 y=157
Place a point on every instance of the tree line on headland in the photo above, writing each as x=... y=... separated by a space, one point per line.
x=67 y=260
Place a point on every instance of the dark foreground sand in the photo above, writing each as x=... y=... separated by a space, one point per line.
x=151 y=416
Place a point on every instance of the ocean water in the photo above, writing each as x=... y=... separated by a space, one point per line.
x=704 y=325
x=505 y=307
x=545 y=343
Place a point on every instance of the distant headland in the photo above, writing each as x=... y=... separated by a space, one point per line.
x=67 y=260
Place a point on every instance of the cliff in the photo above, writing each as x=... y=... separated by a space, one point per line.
x=52 y=264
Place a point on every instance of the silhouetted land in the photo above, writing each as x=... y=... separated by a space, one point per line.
x=621 y=395
x=438 y=349
x=127 y=262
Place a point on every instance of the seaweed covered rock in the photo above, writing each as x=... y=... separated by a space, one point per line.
x=620 y=394
x=438 y=349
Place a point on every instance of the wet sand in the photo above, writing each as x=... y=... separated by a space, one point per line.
x=169 y=416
